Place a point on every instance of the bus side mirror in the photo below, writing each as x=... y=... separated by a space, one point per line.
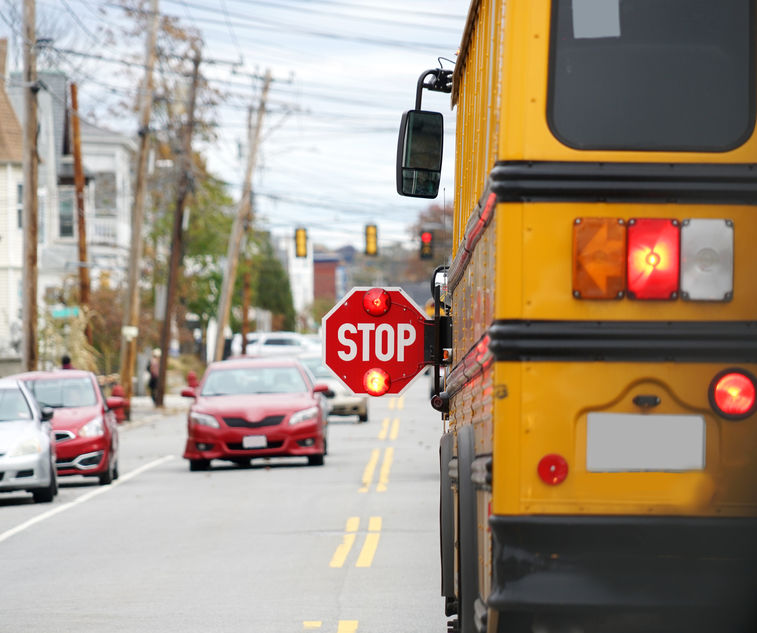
x=419 y=154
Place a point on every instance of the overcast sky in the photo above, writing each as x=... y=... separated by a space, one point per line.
x=343 y=70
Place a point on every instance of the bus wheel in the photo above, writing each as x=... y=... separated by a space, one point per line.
x=467 y=537
x=447 y=523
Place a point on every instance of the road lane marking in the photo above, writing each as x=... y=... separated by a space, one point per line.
x=348 y=540
x=370 y=468
x=395 y=429
x=384 y=429
x=365 y=559
x=347 y=626
x=309 y=625
x=83 y=499
x=401 y=403
x=386 y=466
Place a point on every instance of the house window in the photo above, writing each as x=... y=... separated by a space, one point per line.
x=20 y=204
x=66 y=213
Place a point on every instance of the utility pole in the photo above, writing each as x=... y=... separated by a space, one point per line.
x=81 y=221
x=131 y=316
x=241 y=222
x=31 y=169
x=185 y=179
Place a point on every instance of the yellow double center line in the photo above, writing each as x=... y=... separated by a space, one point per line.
x=365 y=558
x=345 y=626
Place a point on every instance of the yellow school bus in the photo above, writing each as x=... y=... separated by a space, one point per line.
x=599 y=461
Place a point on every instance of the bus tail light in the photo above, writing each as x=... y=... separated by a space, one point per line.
x=653 y=258
x=599 y=258
x=376 y=381
x=733 y=394
x=553 y=469
x=707 y=260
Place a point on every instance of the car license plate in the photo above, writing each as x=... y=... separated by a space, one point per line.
x=254 y=441
x=622 y=442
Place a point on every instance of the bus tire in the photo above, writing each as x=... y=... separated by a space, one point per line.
x=447 y=523
x=467 y=519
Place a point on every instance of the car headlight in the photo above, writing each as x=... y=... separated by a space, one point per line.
x=304 y=415
x=29 y=445
x=93 y=428
x=202 y=419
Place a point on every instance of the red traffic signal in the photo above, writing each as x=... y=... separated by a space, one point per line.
x=427 y=245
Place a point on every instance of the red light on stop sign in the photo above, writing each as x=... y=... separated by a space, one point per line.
x=653 y=258
x=376 y=301
x=376 y=382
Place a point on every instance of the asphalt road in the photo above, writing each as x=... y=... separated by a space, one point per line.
x=350 y=547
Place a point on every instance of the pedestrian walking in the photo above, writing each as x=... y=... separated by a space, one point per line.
x=153 y=368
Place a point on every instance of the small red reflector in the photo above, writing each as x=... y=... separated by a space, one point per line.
x=376 y=382
x=653 y=258
x=733 y=394
x=553 y=469
x=376 y=302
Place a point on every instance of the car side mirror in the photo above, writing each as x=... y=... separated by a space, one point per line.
x=115 y=402
x=188 y=392
x=47 y=414
x=324 y=389
x=419 y=154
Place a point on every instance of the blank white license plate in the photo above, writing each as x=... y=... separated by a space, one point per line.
x=254 y=441
x=621 y=442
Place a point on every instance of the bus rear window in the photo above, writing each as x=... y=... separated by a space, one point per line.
x=673 y=75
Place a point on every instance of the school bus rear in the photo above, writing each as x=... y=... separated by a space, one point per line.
x=604 y=288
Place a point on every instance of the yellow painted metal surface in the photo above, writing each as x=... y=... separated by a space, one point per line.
x=534 y=264
x=545 y=412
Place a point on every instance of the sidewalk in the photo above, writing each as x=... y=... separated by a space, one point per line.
x=142 y=406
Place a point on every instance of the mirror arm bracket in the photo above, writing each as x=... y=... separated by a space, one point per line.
x=441 y=82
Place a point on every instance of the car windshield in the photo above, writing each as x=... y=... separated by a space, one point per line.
x=317 y=368
x=252 y=380
x=63 y=392
x=13 y=406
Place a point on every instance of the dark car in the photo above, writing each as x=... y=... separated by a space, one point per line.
x=84 y=422
x=256 y=407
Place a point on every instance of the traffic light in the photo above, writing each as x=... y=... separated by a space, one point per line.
x=300 y=242
x=371 y=240
x=427 y=244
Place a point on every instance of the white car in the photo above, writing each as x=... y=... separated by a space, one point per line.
x=278 y=344
x=344 y=402
x=27 y=448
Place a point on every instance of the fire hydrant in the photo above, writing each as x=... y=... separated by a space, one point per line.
x=120 y=404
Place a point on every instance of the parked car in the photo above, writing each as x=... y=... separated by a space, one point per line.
x=278 y=344
x=255 y=407
x=27 y=447
x=344 y=402
x=84 y=421
x=236 y=343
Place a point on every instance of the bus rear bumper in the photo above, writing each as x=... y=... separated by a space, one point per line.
x=559 y=564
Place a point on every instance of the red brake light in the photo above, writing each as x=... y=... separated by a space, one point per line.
x=653 y=258
x=376 y=382
x=733 y=394
x=553 y=469
x=376 y=302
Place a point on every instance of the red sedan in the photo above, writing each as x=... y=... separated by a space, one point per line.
x=84 y=421
x=256 y=407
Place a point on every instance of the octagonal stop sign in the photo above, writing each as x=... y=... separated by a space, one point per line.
x=374 y=340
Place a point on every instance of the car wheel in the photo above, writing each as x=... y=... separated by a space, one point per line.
x=315 y=460
x=115 y=471
x=199 y=464
x=46 y=494
x=363 y=417
x=106 y=478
